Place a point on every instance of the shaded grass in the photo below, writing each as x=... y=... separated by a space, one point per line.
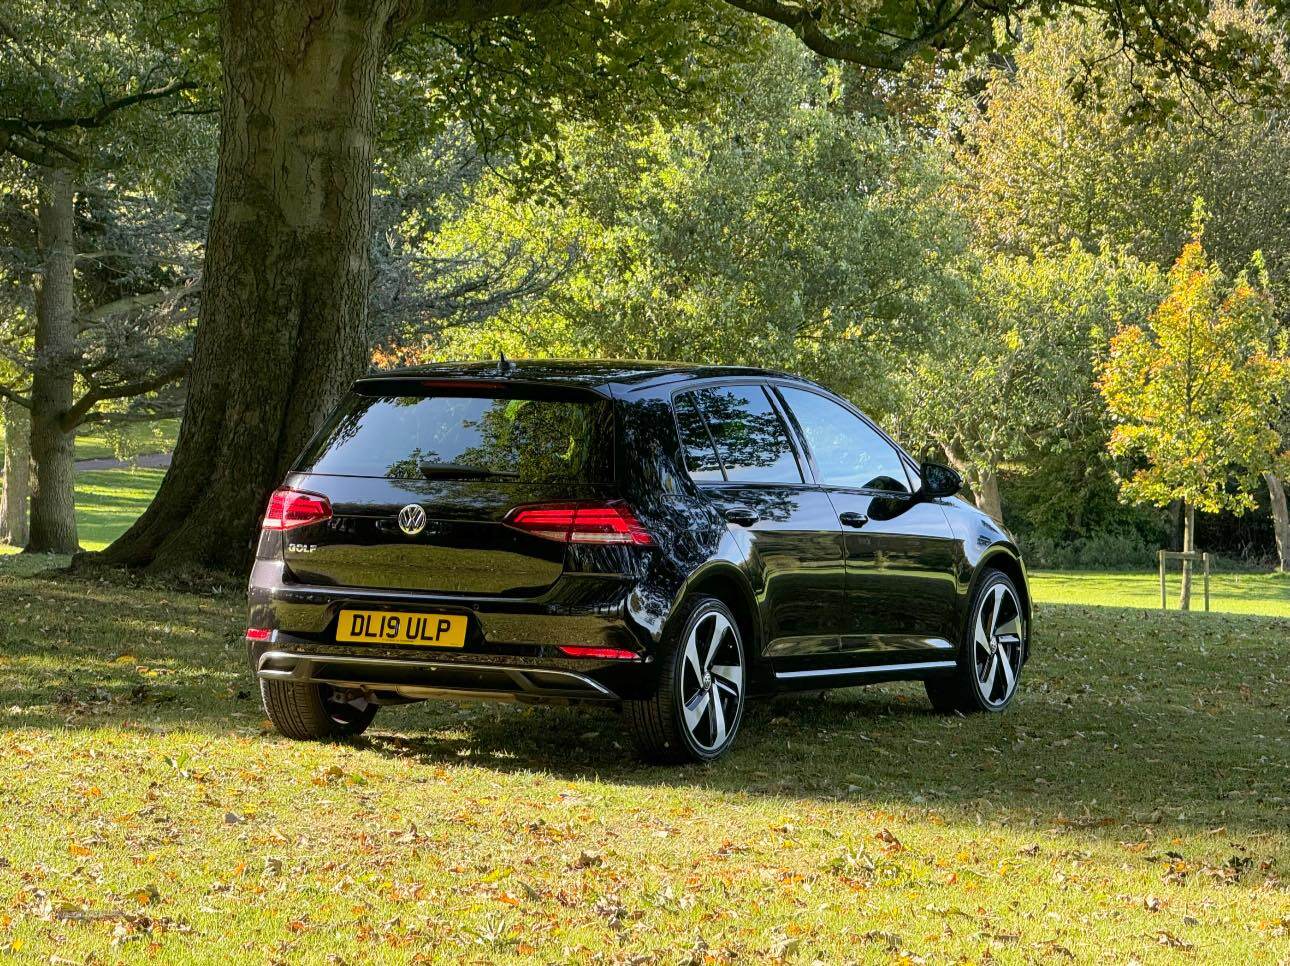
x=1244 y=593
x=1130 y=805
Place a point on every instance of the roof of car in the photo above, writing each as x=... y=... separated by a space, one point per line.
x=583 y=372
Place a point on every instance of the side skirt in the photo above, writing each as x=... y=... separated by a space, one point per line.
x=845 y=677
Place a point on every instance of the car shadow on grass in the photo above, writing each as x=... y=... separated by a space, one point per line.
x=1047 y=762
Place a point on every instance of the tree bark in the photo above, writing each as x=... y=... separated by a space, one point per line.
x=983 y=484
x=17 y=474
x=1189 y=546
x=53 y=496
x=282 y=329
x=1280 y=519
x=986 y=492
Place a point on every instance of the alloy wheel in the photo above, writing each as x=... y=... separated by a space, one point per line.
x=997 y=643
x=712 y=681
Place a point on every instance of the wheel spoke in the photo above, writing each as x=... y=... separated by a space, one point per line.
x=728 y=676
x=692 y=656
x=1010 y=628
x=987 y=684
x=694 y=709
x=994 y=614
x=719 y=628
x=1009 y=679
x=718 y=719
x=979 y=635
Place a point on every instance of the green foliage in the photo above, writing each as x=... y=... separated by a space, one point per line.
x=1044 y=164
x=1195 y=394
x=514 y=82
x=1012 y=378
x=781 y=230
x=122 y=86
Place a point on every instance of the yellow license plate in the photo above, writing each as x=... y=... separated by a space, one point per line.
x=401 y=627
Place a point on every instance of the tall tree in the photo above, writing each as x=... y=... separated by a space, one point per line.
x=1195 y=394
x=1012 y=377
x=780 y=229
x=287 y=279
x=84 y=100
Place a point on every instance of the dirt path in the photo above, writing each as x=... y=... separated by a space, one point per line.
x=151 y=461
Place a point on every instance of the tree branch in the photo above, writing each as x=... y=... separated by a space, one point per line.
x=103 y=114
x=804 y=21
x=131 y=302
x=38 y=151
x=73 y=417
x=14 y=396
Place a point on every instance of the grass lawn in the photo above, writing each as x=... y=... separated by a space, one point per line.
x=1267 y=594
x=107 y=502
x=132 y=438
x=1131 y=806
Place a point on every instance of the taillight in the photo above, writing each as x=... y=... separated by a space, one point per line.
x=258 y=633
x=289 y=509
x=611 y=522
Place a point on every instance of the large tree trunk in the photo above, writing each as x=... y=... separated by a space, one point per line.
x=53 y=496
x=1280 y=519
x=983 y=484
x=17 y=474
x=1189 y=546
x=986 y=492
x=282 y=329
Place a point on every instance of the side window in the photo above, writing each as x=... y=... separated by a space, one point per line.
x=751 y=439
x=847 y=450
x=700 y=458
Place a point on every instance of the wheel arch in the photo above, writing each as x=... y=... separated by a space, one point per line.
x=1006 y=560
x=728 y=584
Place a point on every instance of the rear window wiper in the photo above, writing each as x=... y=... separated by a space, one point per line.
x=433 y=470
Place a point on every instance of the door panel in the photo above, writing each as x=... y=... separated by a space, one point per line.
x=735 y=434
x=901 y=589
x=900 y=551
x=797 y=558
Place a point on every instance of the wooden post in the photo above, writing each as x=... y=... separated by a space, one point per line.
x=1206 y=558
x=1164 y=602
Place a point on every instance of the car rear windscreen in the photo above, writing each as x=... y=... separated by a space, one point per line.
x=528 y=434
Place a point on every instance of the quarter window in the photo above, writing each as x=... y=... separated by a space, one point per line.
x=848 y=451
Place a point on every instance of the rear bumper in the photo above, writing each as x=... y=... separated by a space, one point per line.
x=418 y=679
x=512 y=648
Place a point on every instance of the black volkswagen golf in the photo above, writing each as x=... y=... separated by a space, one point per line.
x=666 y=539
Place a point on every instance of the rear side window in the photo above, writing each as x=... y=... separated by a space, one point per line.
x=509 y=434
x=750 y=438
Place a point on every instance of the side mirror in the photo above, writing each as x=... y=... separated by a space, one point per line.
x=939 y=481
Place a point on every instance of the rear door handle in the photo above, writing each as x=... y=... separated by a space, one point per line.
x=742 y=516
x=853 y=519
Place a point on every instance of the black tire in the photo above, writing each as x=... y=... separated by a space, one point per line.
x=658 y=723
x=963 y=691
x=314 y=711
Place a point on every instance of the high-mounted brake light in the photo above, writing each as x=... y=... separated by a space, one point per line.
x=290 y=508
x=611 y=522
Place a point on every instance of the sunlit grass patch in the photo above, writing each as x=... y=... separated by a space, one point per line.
x=1243 y=593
